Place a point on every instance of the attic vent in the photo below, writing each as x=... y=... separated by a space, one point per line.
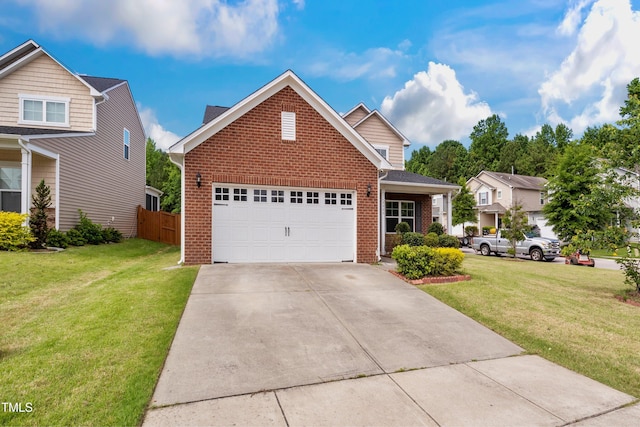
x=288 y=126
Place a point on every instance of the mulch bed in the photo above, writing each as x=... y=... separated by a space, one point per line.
x=433 y=280
x=632 y=298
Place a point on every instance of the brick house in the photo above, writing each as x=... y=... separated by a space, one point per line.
x=282 y=177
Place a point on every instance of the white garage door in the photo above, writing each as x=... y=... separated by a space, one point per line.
x=275 y=224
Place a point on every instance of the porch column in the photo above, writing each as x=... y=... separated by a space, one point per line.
x=381 y=221
x=450 y=215
x=25 y=190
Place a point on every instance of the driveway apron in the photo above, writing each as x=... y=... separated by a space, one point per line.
x=351 y=344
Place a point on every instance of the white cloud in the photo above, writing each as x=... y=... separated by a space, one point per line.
x=433 y=107
x=162 y=137
x=187 y=27
x=573 y=18
x=374 y=63
x=590 y=85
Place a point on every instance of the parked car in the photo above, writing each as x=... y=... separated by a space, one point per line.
x=538 y=248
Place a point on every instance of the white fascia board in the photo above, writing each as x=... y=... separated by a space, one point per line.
x=288 y=78
x=17 y=48
x=56 y=135
x=444 y=188
x=360 y=105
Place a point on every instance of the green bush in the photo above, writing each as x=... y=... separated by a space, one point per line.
x=432 y=240
x=111 y=235
x=402 y=227
x=448 y=241
x=57 y=239
x=90 y=232
x=412 y=239
x=448 y=262
x=486 y=230
x=437 y=228
x=416 y=262
x=74 y=238
x=14 y=235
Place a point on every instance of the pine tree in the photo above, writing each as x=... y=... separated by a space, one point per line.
x=38 y=221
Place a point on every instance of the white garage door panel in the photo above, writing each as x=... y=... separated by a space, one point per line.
x=282 y=225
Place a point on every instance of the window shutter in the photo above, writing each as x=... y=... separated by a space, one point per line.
x=288 y=126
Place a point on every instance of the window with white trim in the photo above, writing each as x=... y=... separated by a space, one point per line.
x=313 y=197
x=126 y=141
x=383 y=150
x=483 y=198
x=330 y=198
x=499 y=194
x=345 y=199
x=10 y=186
x=542 y=197
x=239 y=194
x=43 y=110
x=277 y=196
x=296 y=197
x=399 y=211
x=288 y=126
x=221 y=194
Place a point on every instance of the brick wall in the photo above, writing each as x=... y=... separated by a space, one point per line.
x=250 y=151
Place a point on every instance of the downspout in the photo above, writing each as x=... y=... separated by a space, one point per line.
x=182 y=211
x=381 y=237
x=26 y=178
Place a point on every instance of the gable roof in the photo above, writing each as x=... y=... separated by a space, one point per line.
x=360 y=106
x=286 y=79
x=383 y=119
x=522 y=182
x=26 y=53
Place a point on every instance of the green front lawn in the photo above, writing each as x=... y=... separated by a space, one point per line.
x=566 y=314
x=85 y=331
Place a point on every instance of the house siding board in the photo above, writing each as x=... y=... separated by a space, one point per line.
x=94 y=176
x=43 y=76
x=250 y=151
x=378 y=133
x=356 y=115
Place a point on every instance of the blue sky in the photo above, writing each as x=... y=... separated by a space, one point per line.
x=434 y=68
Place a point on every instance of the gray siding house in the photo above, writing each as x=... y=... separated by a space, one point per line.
x=81 y=134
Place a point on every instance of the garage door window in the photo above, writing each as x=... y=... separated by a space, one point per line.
x=296 y=197
x=313 y=198
x=277 y=196
x=330 y=198
x=396 y=212
x=345 y=199
x=240 y=194
x=260 y=196
x=222 y=193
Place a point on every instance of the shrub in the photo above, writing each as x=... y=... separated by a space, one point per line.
x=412 y=239
x=74 y=238
x=14 y=235
x=90 y=232
x=432 y=240
x=437 y=228
x=448 y=262
x=448 y=241
x=57 y=239
x=402 y=227
x=631 y=268
x=111 y=235
x=471 y=231
x=486 y=230
x=38 y=221
x=416 y=262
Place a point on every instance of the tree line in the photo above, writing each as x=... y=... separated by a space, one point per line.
x=592 y=180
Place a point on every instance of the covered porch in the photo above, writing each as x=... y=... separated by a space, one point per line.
x=490 y=216
x=22 y=166
x=407 y=197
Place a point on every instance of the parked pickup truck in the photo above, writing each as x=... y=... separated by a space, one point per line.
x=538 y=248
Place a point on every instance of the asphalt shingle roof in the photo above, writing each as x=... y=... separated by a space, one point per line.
x=519 y=181
x=211 y=112
x=15 y=130
x=101 y=83
x=410 y=177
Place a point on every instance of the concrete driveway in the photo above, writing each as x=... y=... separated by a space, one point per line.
x=350 y=344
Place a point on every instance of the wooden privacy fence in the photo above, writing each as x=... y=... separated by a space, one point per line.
x=159 y=226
